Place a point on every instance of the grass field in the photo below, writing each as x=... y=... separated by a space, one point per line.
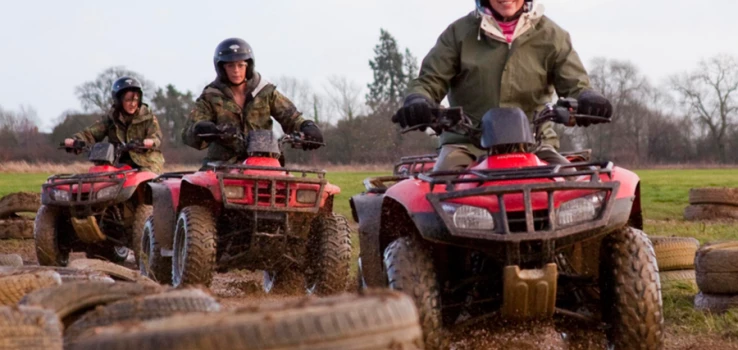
x=664 y=197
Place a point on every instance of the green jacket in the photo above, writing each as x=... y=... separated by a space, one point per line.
x=143 y=126
x=474 y=65
x=216 y=104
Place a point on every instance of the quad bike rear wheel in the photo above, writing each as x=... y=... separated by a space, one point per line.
x=631 y=291
x=46 y=235
x=329 y=254
x=194 y=247
x=151 y=263
x=410 y=269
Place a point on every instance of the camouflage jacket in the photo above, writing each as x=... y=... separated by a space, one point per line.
x=143 y=126
x=217 y=104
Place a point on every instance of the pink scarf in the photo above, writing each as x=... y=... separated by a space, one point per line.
x=508 y=29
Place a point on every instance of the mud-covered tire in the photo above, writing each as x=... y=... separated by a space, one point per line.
x=19 y=202
x=143 y=308
x=698 y=212
x=329 y=254
x=70 y=299
x=674 y=253
x=380 y=320
x=14 y=287
x=410 y=269
x=151 y=263
x=716 y=267
x=116 y=271
x=13 y=260
x=631 y=291
x=677 y=276
x=48 y=250
x=29 y=328
x=194 y=247
x=16 y=228
x=715 y=303
x=136 y=231
x=714 y=195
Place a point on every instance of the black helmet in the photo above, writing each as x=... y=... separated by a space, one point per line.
x=233 y=50
x=124 y=84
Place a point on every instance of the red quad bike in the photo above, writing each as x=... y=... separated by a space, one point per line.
x=100 y=213
x=514 y=238
x=256 y=215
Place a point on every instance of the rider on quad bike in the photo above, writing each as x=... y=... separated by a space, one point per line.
x=243 y=208
x=514 y=235
x=102 y=212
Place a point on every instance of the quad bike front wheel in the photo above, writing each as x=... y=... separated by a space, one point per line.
x=329 y=254
x=194 y=247
x=151 y=263
x=46 y=235
x=113 y=253
x=409 y=268
x=140 y=215
x=631 y=291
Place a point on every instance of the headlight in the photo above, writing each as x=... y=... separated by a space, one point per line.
x=107 y=192
x=60 y=195
x=580 y=210
x=307 y=196
x=469 y=217
x=234 y=192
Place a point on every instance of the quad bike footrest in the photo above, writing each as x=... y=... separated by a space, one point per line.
x=529 y=294
x=87 y=229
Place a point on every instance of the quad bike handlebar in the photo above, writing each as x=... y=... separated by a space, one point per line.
x=81 y=146
x=295 y=139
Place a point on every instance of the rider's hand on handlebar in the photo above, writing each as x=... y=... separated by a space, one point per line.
x=74 y=146
x=148 y=143
x=415 y=111
x=206 y=127
x=593 y=104
x=313 y=134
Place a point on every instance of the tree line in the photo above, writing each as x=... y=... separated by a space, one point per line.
x=692 y=117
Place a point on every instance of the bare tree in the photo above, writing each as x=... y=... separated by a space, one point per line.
x=709 y=93
x=344 y=97
x=95 y=95
x=297 y=91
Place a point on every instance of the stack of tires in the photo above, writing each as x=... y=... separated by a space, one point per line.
x=717 y=277
x=713 y=203
x=675 y=257
x=16 y=215
x=94 y=304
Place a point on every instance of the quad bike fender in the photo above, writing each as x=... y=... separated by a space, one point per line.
x=366 y=209
x=630 y=188
x=164 y=201
x=200 y=184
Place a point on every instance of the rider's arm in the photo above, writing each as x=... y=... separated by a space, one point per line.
x=285 y=112
x=203 y=111
x=569 y=75
x=94 y=133
x=438 y=67
x=153 y=132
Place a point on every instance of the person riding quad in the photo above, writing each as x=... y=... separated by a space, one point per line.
x=240 y=100
x=129 y=121
x=506 y=53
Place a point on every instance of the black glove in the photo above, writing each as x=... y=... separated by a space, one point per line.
x=312 y=133
x=206 y=127
x=594 y=104
x=416 y=110
x=76 y=147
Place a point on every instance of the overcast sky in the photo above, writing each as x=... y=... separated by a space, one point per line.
x=49 y=47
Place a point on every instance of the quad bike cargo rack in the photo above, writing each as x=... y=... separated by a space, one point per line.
x=77 y=197
x=412 y=163
x=269 y=198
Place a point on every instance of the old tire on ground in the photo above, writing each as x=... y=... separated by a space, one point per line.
x=67 y=274
x=105 y=251
x=714 y=195
x=329 y=254
x=113 y=270
x=14 y=287
x=410 y=270
x=677 y=276
x=16 y=228
x=70 y=300
x=14 y=260
x=674 y=253
x=151 y=263
x=19 y=202
x=715 y=303
x=631 y=291
x=136 y=231
x=29 y=328
x=378 y=320
x=716 y=267
x=45 y=234
x=143 y=308
x=698 y=212
x=194 y=247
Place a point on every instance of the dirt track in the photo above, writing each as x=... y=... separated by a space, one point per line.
x=241 y=288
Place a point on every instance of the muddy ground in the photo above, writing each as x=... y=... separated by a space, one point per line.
x=243 y=288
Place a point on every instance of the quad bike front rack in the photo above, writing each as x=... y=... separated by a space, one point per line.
x=77 y=197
